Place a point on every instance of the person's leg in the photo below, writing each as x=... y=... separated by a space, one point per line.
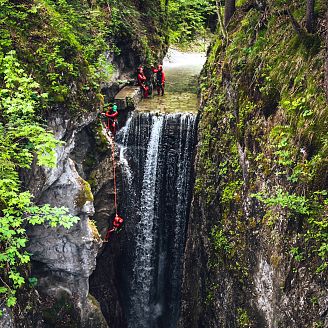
x=162 y=90
x=113 y=129
x=109 y=232
x=146 y=93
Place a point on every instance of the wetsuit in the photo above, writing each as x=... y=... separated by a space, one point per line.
x=117 y=224
x=160 y=80
x=141 y=82
x=112 y=120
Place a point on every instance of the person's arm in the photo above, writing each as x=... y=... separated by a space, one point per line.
x=141 y=78
x=115 y=114
x=163 y=77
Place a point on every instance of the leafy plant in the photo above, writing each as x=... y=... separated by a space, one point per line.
x=220 y=241
x=21 y=138
x=297 y=254
x=189 y=19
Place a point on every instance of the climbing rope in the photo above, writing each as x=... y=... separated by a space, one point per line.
x=114 y=172
x=111 y=141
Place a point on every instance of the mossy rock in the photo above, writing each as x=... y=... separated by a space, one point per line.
x=94 y=229
x=60 y=312
x=85 y=194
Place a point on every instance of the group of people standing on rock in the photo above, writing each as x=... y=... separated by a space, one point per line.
x=109 y=117
x=147 y=84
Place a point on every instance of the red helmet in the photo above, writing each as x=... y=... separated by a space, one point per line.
x=160 y=67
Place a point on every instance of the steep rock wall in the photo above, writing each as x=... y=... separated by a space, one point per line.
x=253 y=254
x=64 y=259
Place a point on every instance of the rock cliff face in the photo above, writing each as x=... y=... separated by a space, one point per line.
x=254 y=256
x=63 y=259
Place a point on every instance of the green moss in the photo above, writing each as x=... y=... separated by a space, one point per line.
x=85 y=194
x=94 y=229
x=264 y=95
x=63 y=305
x=243 y=320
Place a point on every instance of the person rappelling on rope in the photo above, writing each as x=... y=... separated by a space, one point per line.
x=160 y=79
x=117 y=224
x=142 y=82
x=111 y=119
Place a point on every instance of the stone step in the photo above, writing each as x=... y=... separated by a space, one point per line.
x=128 y=97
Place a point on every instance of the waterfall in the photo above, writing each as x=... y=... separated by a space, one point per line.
x=143 y=268
x=156 y=155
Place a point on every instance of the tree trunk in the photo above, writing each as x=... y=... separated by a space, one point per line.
x=229 y=9
x=310 y=15
x=165 y=21
x=220 y=19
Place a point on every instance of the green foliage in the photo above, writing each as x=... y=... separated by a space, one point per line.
x=314 y=209
x=295 y=203
x=189 y=19
x=21 y=138
x=243 y=319
x=220 y=241
x=67 y=46
x=230 y=191
x=297 y=254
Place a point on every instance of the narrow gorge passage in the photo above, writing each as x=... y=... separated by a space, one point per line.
x=138 y=276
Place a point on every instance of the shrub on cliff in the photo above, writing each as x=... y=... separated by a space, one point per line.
x=22 y=138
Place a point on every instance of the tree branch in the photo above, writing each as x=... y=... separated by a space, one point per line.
x=220 y=19
x=297 y=27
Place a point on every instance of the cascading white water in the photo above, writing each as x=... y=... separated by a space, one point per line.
x=143 y=268
x=157 y=150
x=124 y=132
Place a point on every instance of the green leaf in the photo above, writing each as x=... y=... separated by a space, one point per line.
x=11 y=301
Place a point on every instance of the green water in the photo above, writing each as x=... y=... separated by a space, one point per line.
x=181 y=71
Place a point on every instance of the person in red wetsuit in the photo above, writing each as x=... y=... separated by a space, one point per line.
x=117 y=224
x=111 y=123
x=142 y=82
x=160 y=79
